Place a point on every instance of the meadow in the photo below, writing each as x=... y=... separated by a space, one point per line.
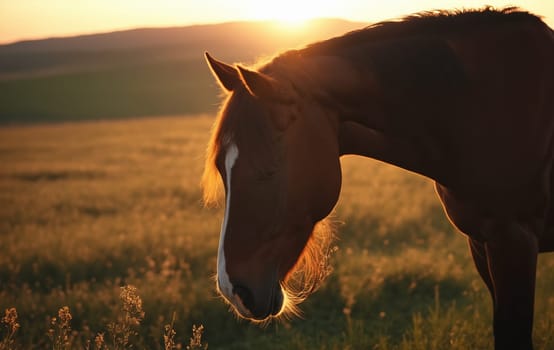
x=120 y=90
x=87 y=208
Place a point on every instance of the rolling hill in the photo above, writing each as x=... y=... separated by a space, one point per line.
x=140 y=72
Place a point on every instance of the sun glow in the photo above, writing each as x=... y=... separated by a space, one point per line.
x=291 y=14
x=292 y=22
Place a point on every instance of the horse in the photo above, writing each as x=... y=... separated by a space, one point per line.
x=465 y=98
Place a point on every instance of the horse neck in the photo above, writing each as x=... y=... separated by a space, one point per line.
x=353 y=95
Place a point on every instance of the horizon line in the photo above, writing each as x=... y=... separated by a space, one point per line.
x=137 y=28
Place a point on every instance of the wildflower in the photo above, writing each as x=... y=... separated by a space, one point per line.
x=60 y=331
x=132 y=314
x=169 y=335
x=99 y=341
x=10 y=322
x=10 y=319
x=196 y=339
x=132 y=304
x=65 y=317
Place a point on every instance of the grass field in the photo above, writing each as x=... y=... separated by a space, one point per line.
x=136 y=89
x=86 y=208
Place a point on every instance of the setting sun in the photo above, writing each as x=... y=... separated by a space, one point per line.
x=291 y=13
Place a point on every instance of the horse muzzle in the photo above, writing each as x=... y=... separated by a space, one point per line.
x=256 y=304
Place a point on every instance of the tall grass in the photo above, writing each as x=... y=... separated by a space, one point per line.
x=86 y=209
x=122 y=332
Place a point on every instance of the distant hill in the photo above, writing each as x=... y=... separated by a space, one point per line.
x=140 y=72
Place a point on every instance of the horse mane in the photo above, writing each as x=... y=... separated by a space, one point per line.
x=435 y=23
x=211 y=182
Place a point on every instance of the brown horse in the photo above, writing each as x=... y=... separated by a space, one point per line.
x=465 y=98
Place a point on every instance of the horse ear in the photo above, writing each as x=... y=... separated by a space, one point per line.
x=226 y=75
x=265 y=87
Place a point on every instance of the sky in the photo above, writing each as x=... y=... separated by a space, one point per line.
x=34 y=19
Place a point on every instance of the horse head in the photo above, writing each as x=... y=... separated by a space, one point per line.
x=279 y=164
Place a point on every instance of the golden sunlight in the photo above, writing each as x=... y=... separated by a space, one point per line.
x=291 y=14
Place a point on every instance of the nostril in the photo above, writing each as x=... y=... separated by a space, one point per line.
x=245 y=296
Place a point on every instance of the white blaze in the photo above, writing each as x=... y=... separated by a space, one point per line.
x=224 y=283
